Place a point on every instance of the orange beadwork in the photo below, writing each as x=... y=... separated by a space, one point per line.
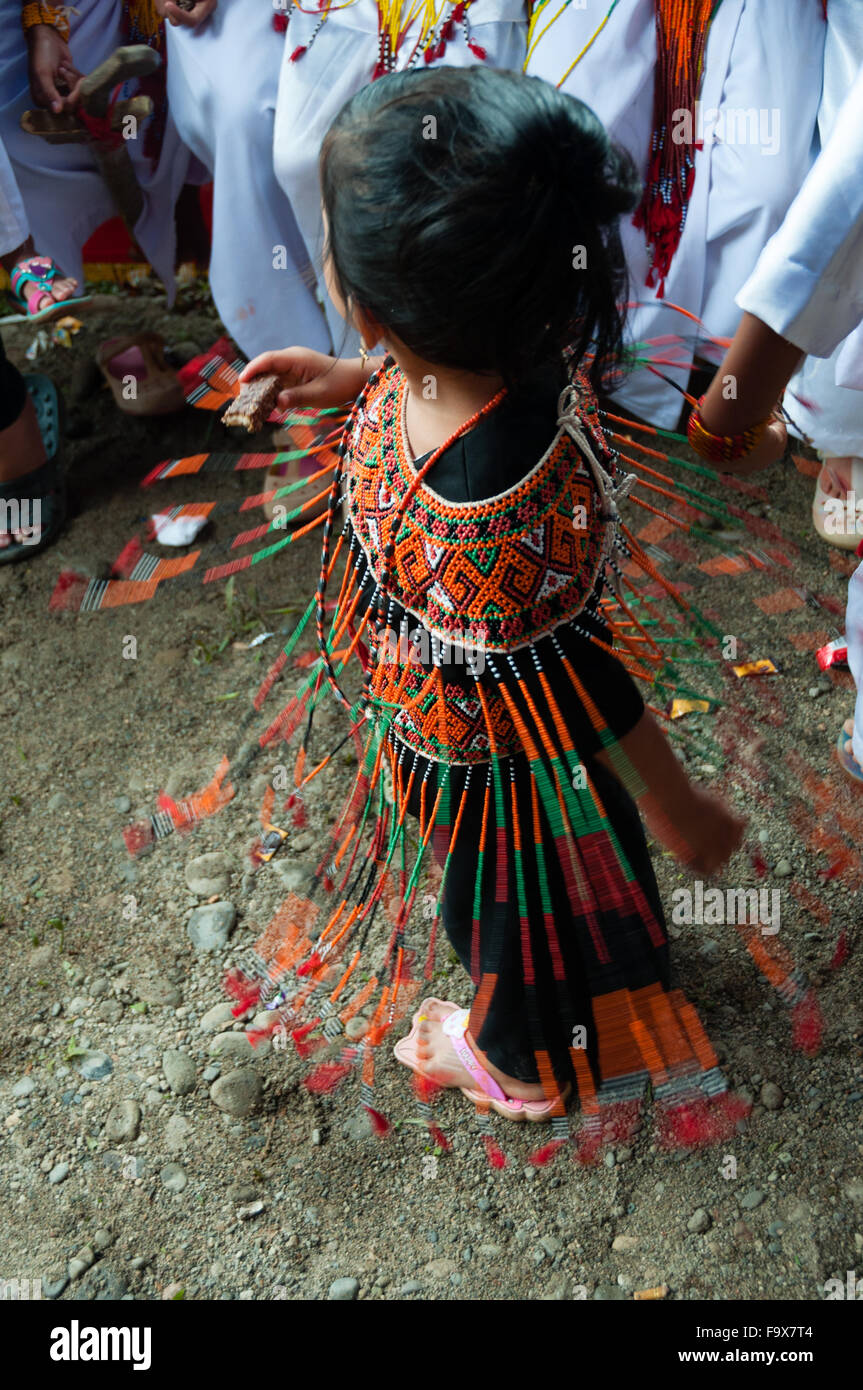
x=495 y=574
x=55 y=16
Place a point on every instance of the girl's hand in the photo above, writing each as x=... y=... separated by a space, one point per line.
x=703 y=834
x=186 y=19
x=54 y=79
x=311 y=378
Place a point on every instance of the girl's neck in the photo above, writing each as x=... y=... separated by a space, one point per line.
x=440 y=399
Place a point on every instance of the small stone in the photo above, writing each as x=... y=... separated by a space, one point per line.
x=484 y=1203
x=814 y=692
x=81 y=1262
x=174 y=1177
x=237 y=1093
x=609 y=1159
x=169 y=656
x=102 y=1239
x=441 y=1269
x=412 y=1286
x=624 y=1244
x=216 y=1018
x=210 y=927
x=771 y=1096
x=356 y=1028
x=172 y=1291
x=699 y=1222
x=550 y=1244
x=559 y=1292
x=316 y=1137
x=211 y=1073
x=235 y=1045
x=94 y=1066
x=123 y=1122
x=179 y=1070
x=25 y=1087
x=489 y=1250
x=764 y=836
x=752 y=1199
x=59 y=1173
x=53 y=1284
x=609 y=1293
x=122 y=804
x=159 y=991
x=253 y=1209
x=291 y=877
x=358 y=1126
x=56 y=803
x=209 y=875
x=177 y=1132
x=783 y=869
x=343 y=1290
x=241 y=1193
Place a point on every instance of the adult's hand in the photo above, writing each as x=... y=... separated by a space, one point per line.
x=186 y=19
x=54 y=78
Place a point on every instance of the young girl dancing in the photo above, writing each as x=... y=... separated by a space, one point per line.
x=499 y=610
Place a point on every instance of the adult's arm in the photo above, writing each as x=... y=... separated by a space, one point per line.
x=806 y=292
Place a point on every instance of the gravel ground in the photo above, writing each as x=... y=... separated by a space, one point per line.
x=121 y=1175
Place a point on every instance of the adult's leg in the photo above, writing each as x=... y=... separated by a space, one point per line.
x=64 y=194
x=222 y=85
x=16 y=244
x=21 y=449
x=824 y=398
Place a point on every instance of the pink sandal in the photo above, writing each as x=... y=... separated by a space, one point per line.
x=455 y=1026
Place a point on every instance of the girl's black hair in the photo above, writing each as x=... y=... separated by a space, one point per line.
x=474 y=213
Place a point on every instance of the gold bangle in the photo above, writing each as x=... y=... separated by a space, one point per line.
x=721 y=448
x=39 y=12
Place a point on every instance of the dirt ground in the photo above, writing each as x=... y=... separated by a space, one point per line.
x=130 y=1182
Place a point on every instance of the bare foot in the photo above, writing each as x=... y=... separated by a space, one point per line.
x=62 y=288
x=31 y=536
x=835 y=477
x=440 y=1062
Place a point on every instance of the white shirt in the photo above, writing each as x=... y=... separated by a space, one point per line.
x=808 y=283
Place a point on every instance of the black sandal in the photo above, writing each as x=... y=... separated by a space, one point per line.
x=41 y=494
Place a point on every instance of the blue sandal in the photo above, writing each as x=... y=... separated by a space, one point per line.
x=40 y=496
